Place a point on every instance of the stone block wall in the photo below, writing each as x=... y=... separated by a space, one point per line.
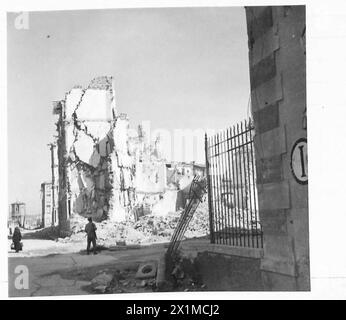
x=276 y=39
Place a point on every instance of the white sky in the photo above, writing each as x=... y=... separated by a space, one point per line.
x=182 y=68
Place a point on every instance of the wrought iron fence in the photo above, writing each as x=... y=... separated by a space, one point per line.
x=232 y=192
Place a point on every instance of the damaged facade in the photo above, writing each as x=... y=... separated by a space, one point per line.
x=103 y=171
x=17 y=214
x=95 y=168
x=49 y=204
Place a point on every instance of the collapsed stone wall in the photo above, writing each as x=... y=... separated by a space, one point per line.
x=100 y=168
x=104 y=172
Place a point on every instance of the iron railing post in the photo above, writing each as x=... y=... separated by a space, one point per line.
x=231 y=187
x=210 y=206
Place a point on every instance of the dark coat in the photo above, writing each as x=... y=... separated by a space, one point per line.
x=90 y=230
x=17 y=236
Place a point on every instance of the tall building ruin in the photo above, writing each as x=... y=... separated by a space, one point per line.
x=96 y=170
x=104 y=172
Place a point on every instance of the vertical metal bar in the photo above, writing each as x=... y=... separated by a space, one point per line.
x=238 y=178
x=231 y=179
x=223 y=183
x=249 y=141
x=219 y=188
x=245 y=207
x=234 y=180
x=256 y=198
x=226 y=188
x=250 y=174
x=254 y=184
x=230 y=168
x=229 y=187
x=210 y=206
x=246 y=186
x=254 y=188
x=235 y=242
x=217 y=219
x=210 y=155
x=240 y=130
x=241 y=162
x=214 y=189
x=222 y=186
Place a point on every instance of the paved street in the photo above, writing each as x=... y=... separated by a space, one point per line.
x=55 y=270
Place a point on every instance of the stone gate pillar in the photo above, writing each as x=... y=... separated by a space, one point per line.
x=276 y=39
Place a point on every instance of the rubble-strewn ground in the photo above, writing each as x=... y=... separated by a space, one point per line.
x=61 y=267
x=148 y=229
x=75 y=273
x=78 y=273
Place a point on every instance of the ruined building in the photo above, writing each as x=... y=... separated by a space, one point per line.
x=96 y=169
x=49 y=204
x=17 y=214
x=104 y=171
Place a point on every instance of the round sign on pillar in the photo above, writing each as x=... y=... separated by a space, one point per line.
x=299 y=161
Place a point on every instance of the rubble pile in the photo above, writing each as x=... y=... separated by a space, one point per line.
x=148 y=229
x=123 y=280
x=199 y=224
x=50 y=233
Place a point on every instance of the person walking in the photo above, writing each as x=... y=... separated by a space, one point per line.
x=90 y=230
x=16 y=239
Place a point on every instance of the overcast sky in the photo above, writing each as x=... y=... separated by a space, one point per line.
x=178 y=68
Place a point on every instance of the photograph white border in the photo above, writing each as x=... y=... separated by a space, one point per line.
x=326 y=104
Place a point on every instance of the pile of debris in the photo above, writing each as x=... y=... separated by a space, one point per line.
x=126 y=280
x=50 y=233
x=148 y=229
x=185 y=275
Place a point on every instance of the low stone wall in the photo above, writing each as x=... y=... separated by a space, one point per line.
x=229 y=273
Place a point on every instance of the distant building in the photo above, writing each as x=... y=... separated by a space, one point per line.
x=182 y=173
x=199 y=169
x=32 y=222
x=17 y=214
x=49 y=209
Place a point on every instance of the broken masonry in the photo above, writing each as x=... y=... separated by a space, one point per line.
x=106 y=173
x=96 y=170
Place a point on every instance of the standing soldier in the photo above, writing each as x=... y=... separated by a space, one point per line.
x=90 y=230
